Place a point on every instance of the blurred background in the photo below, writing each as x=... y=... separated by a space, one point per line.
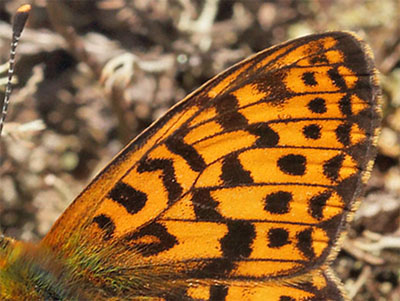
x=93 y=74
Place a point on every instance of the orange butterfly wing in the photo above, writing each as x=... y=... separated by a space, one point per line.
x=244 y=186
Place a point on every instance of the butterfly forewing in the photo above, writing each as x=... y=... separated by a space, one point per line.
x=244 y=186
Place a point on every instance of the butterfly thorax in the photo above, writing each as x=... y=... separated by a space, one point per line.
x=36 y=272
x=30 y=272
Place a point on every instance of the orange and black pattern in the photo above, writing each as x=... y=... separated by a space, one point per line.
x=251 y=178
x=241 y=191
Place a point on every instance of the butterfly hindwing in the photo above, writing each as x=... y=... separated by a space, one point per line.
x=248 y=180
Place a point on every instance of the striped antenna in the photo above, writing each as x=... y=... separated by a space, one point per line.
x=18 y=25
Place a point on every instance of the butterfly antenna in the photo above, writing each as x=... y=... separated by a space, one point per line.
x=18 y=25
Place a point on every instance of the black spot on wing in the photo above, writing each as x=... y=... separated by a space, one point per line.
x=305 y=243
x=347 y=188
x=278 y=202
x=133 y=200
x=237 y=242
x=345 y=105
x=228 y=116
x=309 y=79
x=106 y=224
x=233 y=172
x=168 y=177
x=292 y=164
x=218 y=292
x=267 y=137
x=337 y=79
x=312 y=131
x=319 y=59
x=318 y=203
x=215 y=268
x=205 y=207
x=278 y=237
x=159 y=239
x=176 y=145
x=343 y=132
x=332 y=167
x=317 y=105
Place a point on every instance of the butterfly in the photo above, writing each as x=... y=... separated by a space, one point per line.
x=240 y=191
